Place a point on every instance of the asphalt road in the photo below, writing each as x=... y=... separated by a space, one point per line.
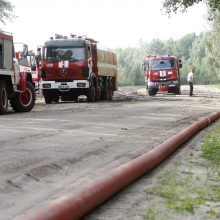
x=60 y=147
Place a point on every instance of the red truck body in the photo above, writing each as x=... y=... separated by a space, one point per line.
x=34 y=68
x=71 y=67
x=162 y=73
x=16 y=83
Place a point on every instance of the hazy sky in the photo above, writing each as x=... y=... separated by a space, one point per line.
x=114 y=23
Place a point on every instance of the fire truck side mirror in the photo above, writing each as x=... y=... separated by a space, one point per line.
x=144 y=65
x=37 y=58
x=39 y=54
x=180 y=64
x=25 y=50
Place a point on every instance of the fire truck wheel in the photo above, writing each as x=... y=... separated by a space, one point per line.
x=64 y=98
x=73 y=98
x=56 y=99
x=91 y=97
x=152 y=92
x=3 y=97
x=98 y=93
x=24 y=102
x=110 y=92
x=48 y=99
x=105 y=92
x=178 y=91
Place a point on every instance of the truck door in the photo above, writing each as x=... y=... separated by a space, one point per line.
x=90 y=64
x=1 y=57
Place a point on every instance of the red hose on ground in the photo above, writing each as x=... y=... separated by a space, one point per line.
x=77 y=204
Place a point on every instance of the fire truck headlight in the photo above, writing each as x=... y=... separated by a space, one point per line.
x=175 y=81
x=46 y=86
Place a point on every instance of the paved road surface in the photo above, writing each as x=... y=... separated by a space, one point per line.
x=59 y=147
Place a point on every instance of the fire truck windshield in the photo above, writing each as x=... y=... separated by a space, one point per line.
x=162 y=64
x=65 y=53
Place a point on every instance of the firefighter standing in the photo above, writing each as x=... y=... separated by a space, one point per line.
x=191 y=81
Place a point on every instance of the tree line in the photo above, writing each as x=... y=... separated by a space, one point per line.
x=195 y=51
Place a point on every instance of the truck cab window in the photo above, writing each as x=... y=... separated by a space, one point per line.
x=162 y=64
x=65 y=53
x=50 y=53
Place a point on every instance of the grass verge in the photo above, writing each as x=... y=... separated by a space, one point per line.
x=192 y=191
x=216 y=86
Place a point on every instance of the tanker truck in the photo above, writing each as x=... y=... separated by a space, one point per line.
x=16 y=83
x=74 y=66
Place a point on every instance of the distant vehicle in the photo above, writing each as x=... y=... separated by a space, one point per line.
x=162 y=73
x=16 y=82
x=34 y=68
x=74 y=66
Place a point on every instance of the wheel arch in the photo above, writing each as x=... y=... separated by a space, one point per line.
x=29 y=79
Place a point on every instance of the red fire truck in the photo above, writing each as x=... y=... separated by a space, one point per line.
x=16 y=82
x=74 y=66
x=162 y=73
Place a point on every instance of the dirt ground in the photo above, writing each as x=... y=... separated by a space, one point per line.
x=60 y=147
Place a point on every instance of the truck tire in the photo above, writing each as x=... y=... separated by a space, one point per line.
x=177 y=91
x=48 y=99
x=3 y=97
x=98 y=93
x=152 y=92
x=56 y=99
x=105 y=92
x=24 y=102
x=110 y=91
x=91 y=97
x=64 y=98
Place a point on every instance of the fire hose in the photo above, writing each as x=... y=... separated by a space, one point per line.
x=77 y=204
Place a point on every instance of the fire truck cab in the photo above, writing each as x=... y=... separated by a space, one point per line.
x=162 y=73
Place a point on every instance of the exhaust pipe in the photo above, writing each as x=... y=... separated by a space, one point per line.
x=77 y=204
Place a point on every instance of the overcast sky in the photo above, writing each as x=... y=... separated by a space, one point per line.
x=114 y=23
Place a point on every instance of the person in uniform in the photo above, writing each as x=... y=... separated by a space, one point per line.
x=191 y=81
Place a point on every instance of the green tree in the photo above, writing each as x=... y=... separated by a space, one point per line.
x=6 y=11
x=184 y=46
x=157 y=47
x=182 y=5
x=213 y=45
x=129 y=66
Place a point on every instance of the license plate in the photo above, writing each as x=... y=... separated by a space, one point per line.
x=63 y=87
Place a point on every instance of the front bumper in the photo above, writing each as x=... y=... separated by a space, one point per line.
x=65 y=86
x=157 y=85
